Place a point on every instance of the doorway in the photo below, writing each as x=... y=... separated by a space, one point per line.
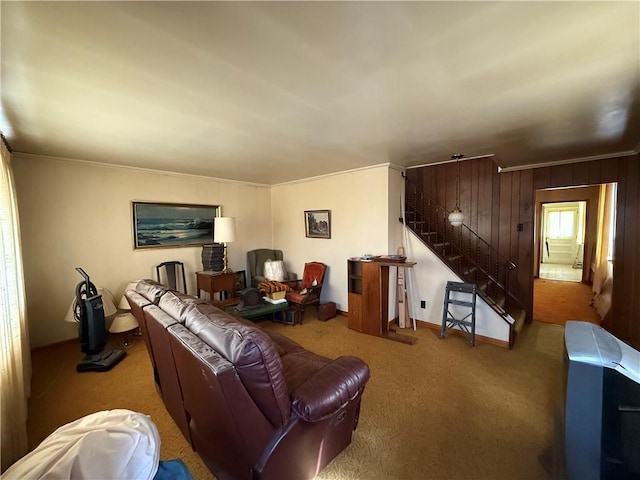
x=573 y=229
x=562 y=230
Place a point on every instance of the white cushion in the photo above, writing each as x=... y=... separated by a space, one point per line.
x=274 y=270
x=113 y=444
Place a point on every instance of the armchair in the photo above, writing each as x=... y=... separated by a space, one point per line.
x=173 y=269
x=307 y=291
x=255 y=264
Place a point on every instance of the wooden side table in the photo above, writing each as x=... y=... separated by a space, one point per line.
x=218 y=283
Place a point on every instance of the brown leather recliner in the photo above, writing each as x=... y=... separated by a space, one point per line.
x=256 y=405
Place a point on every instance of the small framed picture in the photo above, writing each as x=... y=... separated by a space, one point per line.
x=317 y=223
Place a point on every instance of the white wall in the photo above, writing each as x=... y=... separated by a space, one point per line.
x=396 y=205
x=78 y=214
x=358 y=201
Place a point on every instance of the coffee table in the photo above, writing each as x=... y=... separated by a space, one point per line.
x=263 y=309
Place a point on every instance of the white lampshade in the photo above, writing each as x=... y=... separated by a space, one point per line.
x=124 y=303
x=108 y=302
x=456 y=217
x=224 y=229
x=123 y=322
x=108 y=305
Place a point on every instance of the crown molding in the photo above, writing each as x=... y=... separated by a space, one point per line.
x=318 y=177
x=605 y=156
x=190 y=175
x=137 y=169
x=454 y=160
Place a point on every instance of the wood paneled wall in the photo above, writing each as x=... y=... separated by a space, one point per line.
x=496 y=203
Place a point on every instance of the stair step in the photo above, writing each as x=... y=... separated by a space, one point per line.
x=469 y=271
x=428 y=234
x=501 y=311
x=496 y=305
x=440 y=245
x=453 y=258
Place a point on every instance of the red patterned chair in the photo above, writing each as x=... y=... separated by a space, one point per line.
x=307 y=291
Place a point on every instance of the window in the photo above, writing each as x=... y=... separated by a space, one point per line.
x=561 y=224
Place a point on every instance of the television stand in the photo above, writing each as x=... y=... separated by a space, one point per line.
x=100 y=362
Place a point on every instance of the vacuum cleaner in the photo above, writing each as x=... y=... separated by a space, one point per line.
x=89 y=313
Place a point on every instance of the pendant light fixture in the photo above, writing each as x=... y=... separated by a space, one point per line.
x=456 y=217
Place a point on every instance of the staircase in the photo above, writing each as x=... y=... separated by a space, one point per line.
x=466 y=254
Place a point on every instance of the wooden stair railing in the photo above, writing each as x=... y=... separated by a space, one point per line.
x=466 y=254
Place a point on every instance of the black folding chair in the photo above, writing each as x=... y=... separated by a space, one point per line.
x=172 y=271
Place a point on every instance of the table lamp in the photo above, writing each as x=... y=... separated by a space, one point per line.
x=124 y=322
x=124 y=303
x=225 y=232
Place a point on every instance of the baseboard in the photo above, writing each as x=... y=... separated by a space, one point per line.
x=479 y=338
x=57 y=344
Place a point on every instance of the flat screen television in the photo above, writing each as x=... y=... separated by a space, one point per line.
x=601 y=411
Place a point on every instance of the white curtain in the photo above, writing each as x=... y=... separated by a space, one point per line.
x=15 y=356
x=603 y=271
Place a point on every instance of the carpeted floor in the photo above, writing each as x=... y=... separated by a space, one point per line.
x=556 y=301
x=438 y=409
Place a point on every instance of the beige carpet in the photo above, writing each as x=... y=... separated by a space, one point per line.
x=556 y=301
x=438 y=409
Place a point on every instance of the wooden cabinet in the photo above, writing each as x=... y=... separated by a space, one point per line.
x=355 y=311
x=368 y=296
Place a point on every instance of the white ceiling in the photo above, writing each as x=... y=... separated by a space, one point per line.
x=270 y=92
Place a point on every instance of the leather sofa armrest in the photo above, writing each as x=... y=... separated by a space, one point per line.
x=330 y=389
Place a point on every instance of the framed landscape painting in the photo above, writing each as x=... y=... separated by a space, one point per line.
x=172 y=224
x=317 y=223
